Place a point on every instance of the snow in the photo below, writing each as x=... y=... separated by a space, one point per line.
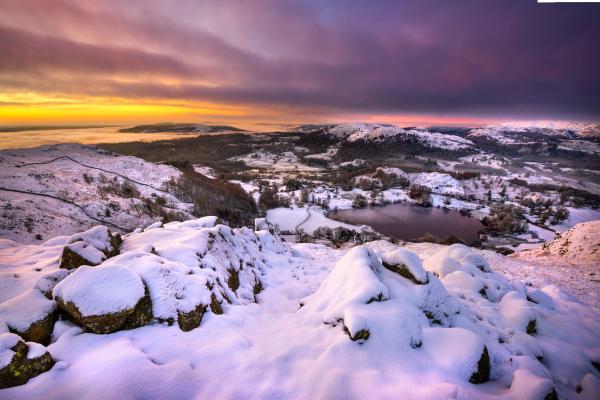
x=408 y=260
x=424 y=342
x=25 y=309
x=516 y=311
x=35 y=350
x=171 y=285
x=286 y=161
x=100 y=290
x=352 y=282
x=307 y=218
x=7 y=341
x=379 y=133
x=579 y=245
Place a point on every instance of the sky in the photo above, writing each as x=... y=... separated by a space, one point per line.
x=262 y=63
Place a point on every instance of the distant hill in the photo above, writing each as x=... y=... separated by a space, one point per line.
x=387 y=133
x=183 y=128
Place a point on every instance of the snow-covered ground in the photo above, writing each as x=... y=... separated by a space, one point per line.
x=306 y=218
x=330 y=323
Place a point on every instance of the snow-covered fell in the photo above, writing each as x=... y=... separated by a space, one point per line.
x=357 y=132
x=505 y=133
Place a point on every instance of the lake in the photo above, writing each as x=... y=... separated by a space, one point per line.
x=407 y=222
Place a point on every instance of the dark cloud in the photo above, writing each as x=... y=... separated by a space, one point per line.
x=481 y=58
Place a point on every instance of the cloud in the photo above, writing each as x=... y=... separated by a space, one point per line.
x=493 y=58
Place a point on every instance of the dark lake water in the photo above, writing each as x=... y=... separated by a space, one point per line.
x=406 y=222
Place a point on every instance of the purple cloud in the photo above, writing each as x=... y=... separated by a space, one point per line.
x=493 y=58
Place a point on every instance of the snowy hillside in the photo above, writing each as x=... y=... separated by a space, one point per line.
x=62 y=189
x=579 y=245
x=509 y=133
x=358 y=132
x=198 y=302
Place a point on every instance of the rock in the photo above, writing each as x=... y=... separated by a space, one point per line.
x=79 y=253
x=141 y=315
x=215 y=306
x=102 y=323
x=26 y=362
x=360 y=335
x=46 y=283
x=406 y=264
x=190 y=320
x=234 y=280
x=101 y=299
x=532 y=327
x=30 y=315
x=482 y=374
x=90 y=248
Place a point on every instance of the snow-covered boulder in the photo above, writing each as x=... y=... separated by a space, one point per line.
x=384 y=309
x=518 y=313
x=31 y=315
x=462 y=268
x=100 y=299
x=90 y=247
x=405 y=263
x=20 y=361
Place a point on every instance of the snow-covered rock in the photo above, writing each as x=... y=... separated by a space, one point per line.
x=90 y=247
x=31 y=315
x=20 y=361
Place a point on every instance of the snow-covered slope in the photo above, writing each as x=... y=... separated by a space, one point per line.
x=373 y=321
x=92 y=185
x=511 y=132
x=579 y=245
x=358 y=132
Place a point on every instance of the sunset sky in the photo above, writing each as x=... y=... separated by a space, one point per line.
x=255 y=63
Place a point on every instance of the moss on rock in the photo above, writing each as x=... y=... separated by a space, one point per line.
x=190 y=320
x=21 y=369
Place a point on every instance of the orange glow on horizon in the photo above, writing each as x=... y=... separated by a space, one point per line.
x=36 y=109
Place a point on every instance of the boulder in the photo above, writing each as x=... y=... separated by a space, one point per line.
x=20 y=361
x=190 y=319
x=30 y=315
x=101 y=299
x=406 y=264
x=90 y=248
